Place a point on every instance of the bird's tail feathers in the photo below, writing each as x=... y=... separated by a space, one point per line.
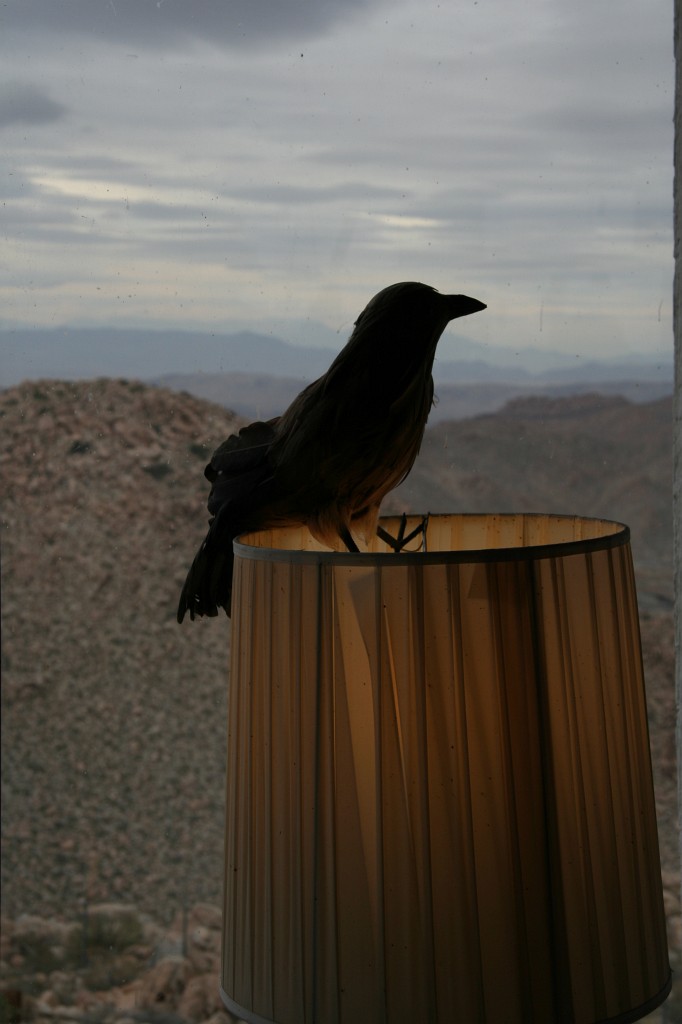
x=208 y=586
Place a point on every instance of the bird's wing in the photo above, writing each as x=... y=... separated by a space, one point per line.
x=240 y=465
x=241 y=481
x=243 y=451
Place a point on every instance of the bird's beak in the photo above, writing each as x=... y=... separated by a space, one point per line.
x=462 y=305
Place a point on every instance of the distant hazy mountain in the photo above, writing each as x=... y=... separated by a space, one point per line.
x=82 y=354
x=109 y=352
x=261 y=395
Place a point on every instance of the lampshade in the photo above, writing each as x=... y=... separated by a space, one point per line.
x=439 y=794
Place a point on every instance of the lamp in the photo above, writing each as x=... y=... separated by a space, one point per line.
x=439 y=795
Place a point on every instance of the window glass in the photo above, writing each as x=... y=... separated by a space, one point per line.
x=198 y=202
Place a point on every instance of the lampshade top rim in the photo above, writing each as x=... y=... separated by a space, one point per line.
x=601 y=535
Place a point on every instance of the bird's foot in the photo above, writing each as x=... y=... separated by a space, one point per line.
x=398 y=543
x=347 y=539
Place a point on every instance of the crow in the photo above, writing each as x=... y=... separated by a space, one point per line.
x=347 y=440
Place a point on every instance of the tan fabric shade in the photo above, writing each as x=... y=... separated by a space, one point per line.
x=439 y=794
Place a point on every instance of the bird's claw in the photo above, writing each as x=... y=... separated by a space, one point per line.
x=399 y=543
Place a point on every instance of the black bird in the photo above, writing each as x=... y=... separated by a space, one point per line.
x=347 y=440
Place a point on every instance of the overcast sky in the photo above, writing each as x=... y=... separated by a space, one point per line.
x=230 y=163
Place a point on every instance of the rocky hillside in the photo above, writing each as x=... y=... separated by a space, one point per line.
x=113 y=716
x=113 y=965
x=588 y=454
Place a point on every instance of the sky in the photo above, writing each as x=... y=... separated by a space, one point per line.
x=230 y=164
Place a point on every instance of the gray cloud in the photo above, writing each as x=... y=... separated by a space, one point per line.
x=525 y=160
x=610 y=126
x=159 y=23
x=25 y=103
x=290 y=195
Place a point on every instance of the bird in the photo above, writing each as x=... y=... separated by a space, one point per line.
x=345 y=441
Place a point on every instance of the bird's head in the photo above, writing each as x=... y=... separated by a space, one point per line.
x=414 y=312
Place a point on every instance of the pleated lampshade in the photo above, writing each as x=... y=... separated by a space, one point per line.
x=439 y=794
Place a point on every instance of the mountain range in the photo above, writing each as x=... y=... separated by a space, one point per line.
x=77 y=354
